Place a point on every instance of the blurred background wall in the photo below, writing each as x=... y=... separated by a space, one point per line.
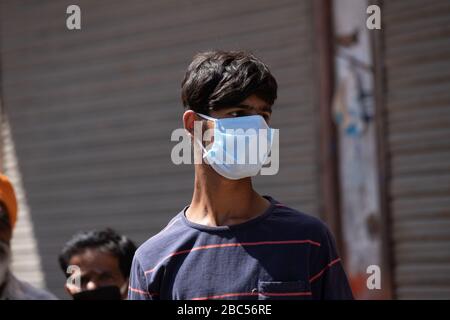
x=87 y=117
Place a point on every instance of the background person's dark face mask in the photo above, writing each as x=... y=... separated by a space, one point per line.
x=101 y=293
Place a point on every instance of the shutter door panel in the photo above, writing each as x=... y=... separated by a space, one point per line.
x=417 y=52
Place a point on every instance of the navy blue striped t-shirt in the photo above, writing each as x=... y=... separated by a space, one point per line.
x=281 y=254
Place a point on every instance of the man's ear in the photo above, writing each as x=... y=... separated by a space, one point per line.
x=189 y=117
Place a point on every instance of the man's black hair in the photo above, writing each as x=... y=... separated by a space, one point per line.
x=107 y=241
x=220 y=79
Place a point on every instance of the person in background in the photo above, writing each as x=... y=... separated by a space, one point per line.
x=101 y=259
x=12 y=288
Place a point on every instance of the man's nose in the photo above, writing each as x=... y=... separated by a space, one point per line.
x=91 y=285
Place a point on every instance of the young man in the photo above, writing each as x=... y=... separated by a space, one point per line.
x=12 y=288
x=104 y=260
x=231 y=242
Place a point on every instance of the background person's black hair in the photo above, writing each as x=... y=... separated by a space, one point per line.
x=106 y=240
x=220 y=79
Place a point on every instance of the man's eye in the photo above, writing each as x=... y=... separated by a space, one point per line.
x=243 y=114
x=237 y=114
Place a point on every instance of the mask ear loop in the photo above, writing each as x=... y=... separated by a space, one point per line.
x=204 y=150
x=204 y=116
x=201 y=146
x=269 y=146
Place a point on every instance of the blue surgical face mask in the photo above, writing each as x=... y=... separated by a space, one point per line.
x=241 y=146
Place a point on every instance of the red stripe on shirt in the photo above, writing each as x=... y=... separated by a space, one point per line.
x=142 y=292
x=274 y=294
x=238 y=244
x=324 y=269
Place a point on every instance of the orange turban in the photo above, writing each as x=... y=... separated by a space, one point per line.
x=8 y=198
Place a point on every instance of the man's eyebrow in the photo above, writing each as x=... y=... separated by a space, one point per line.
x=243 y=106
x=266 y=108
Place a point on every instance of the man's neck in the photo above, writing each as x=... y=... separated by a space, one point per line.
x=218 y=201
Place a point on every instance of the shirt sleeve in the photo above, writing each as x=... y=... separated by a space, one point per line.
x=328 y=279
x=138 y=289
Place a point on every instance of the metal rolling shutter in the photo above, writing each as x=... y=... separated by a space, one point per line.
x=417 y=52
x=92 y=111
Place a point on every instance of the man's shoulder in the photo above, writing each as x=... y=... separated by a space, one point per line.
x=290 y=219
x=22 y=290
x=158 y=244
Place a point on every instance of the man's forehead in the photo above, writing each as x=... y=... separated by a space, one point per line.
x=255 y=102
x=93 y=258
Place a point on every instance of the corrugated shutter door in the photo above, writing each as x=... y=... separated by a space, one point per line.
x=92 y=111
x=417 y=52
